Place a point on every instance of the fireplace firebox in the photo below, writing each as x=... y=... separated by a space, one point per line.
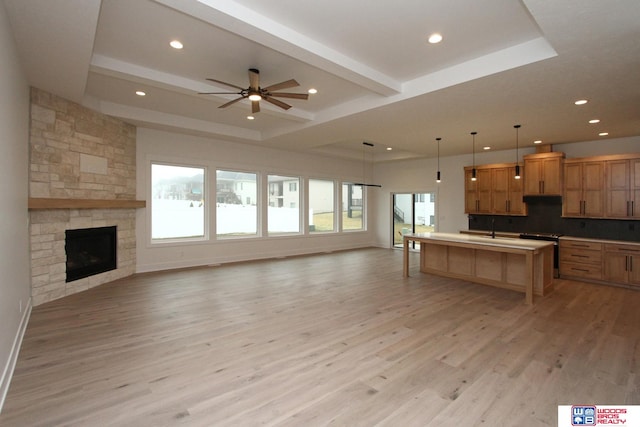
x=90 y=251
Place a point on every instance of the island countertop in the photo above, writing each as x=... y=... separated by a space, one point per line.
x=502 y=242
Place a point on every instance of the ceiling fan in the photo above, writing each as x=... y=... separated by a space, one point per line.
x=255 y=93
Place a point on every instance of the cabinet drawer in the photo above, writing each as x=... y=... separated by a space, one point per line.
x=579 y=244
x=581 y=256
x=587 y=271
x=630 y=249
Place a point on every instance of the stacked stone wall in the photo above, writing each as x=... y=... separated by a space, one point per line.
x=77 y=153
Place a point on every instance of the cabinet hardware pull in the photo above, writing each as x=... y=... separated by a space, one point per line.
x=630 y=263
x=575 y=245
x=626 y=263
x=632 y=208
x=580 y=256
x=580 y=269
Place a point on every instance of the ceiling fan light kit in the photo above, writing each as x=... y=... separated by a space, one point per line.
x=255 y=93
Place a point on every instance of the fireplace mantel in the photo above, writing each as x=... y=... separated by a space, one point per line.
x=44 y=203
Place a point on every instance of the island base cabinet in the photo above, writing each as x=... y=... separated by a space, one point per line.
x=490 y=267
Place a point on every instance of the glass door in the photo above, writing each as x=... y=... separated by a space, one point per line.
x=412 y=213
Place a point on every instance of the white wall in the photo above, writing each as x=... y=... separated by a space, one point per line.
x=419 y=176
x=15 y=286
x=153 y=145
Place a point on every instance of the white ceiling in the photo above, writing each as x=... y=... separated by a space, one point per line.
x=501 y=62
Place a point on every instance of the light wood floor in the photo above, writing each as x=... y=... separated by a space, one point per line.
x=338 y=339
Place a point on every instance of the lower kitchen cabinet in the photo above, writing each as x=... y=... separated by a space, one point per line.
x=622 y=264
x=580 y=259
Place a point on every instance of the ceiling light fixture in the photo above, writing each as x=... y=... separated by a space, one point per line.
x=486 y=148
x=250 y=118
x=255 y=96
x=603 y=134
x=581 y=102
x=140 y=93
x=312 y=91
x=537 y=141
x=176 y=44
x=435 y=38
x=517 y=176
x=473 y=171
x=593 y=121
x=389 y=148
x=438 y=174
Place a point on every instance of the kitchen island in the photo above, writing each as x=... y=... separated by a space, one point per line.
x=520 y=265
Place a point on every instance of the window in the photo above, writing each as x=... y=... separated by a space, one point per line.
x=352 y=206
x=177 y=202
x=233 y=217
x=284 y=200
x=321 y=205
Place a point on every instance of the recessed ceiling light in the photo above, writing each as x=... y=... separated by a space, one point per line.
x=435 y=38
x=140 y=93
x=486 y=148
x=592 y=121
x=389 y=148
x=312 y=91
x=176 y=44
x=603 y=134
x=537 y=141
x=581 y=102
x=250 y=118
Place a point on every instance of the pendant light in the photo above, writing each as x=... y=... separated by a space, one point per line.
x=473 y=171
x=364 y=164
x=517 y=161
x=438 y=174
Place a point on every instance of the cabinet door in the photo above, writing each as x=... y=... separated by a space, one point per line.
x=533 y=178
x=552 y=176
x=500 y=196
x=572 y=200
x=615 y=267
x=617 y=205
x=484 y=190
x=470 y=193
x=634 y=269
x=516 y=205
x=593 y=189
x=635 y=189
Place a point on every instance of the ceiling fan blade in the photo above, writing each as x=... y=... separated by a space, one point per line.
x=276 y=102
x=219 y=93
x=226 y=84
x=255 y=107
x=254 y=78
x=231 y=102
x=282 y=85
x=290 y=95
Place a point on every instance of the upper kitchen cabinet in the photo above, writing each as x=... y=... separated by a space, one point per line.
x=506 y=197
x=478 y=192
x=543 y=174
x=583 y=188
x=495 y=190
x=623 y=187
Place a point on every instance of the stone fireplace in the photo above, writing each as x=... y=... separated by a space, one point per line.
x=82 y=175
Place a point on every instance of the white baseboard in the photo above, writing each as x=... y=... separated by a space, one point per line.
x=7 y=373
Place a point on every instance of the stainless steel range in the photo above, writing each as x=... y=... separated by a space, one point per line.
x=549 y=237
